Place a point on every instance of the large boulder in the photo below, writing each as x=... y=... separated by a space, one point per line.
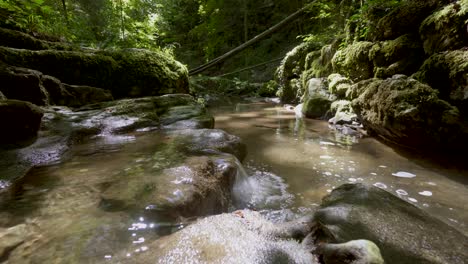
x=126 y=73
x=403 y=232
x=317 y=99
x=407 y=112
x=446 y=29
x=239 y=237
x=20 y=122
x=447 y=72
x=354 y=62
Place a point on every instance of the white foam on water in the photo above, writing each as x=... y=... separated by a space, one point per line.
x=425 y=193
x=412 y=200
x=404 y=174
x=401 y=192
x=352 y=179
x=326 y=157
x=380 y=185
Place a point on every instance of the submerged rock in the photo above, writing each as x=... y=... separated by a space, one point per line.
x=240 y=237
x=403 y=232
x=20 y=122
x=446 y=28
x=353 y=252
x=407 y=112
x=172 y=184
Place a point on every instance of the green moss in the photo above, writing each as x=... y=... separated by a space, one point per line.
x=353 y=61
x=446 y=28
x=316 y=107
x=127 y=73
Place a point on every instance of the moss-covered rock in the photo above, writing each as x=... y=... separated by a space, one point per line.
x=127 y=73
x=23 y=84
x=317 y=99
x=357 y=211
x=20 y=123
x=79 y=95
x=357 y=89
x=446 y=29
x=448 y=73
x=289 y=72
x=354 y=62
x=405 y=18
x=407 y=112
x=20 y=40
x=403 y=55
x=268 y=89
x=338 y=84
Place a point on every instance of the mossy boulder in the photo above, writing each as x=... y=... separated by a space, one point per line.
x=407 y=112
x=317 y=99
x=403 y=232
x=448 y=73
x=289 y=73
x=403 y=55
x=446 y=29
x=354 y=62
x=338 y=84
x=20 y=123
x=126 y=73
x=405 y=18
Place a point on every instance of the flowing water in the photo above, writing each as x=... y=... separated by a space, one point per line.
x=301 y=160
x=57 y=213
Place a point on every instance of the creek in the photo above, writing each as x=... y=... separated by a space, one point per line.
x=59 y=212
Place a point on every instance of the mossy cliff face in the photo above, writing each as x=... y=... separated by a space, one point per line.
x=446 y=29
x=127 y=73
x=405 y=111
x=448 y=73
x=354 y=62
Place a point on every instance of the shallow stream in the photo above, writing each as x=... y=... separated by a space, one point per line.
x=291 y=164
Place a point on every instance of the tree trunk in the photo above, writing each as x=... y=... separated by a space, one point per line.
x=65 y=13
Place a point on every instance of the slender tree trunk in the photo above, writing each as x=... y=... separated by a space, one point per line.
x=122 y=20
x=65 y=13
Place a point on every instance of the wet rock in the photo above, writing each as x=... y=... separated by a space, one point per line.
x=447 y=73
x=446 y=28
x=172 y=183
x=354 y=252
x=239 y=237
x=10 y=238
x=410 y=235
x=354 y=62
x=20 y=122
x=343 y=113
x=23 y=84
x=317 y=99
x=82 y=95
x=405 y=111
x=208 y=140
x=58 y=95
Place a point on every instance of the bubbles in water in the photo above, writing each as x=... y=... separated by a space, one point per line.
x=380 y=185
x=432 y=183
x=412 y=200
x=401 y=192
x=327 y=173
x=107 y=256
x=425 y=193
x=373 y=173
x=382 y=166
x=404 y=174
x=327 y=143
x=326 y=157
x=352 y=179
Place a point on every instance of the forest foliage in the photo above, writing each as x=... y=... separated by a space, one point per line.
x=197 y=30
